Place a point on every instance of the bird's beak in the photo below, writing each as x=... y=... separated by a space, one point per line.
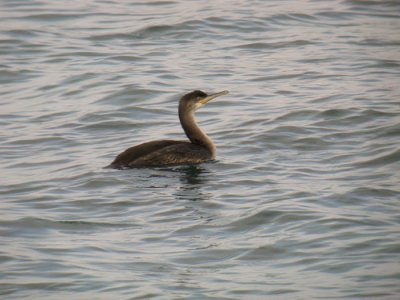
x=212 y=96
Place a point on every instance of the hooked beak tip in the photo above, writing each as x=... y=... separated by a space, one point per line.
x=212 y=96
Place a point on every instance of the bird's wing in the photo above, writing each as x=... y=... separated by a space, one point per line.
x=175 y=153
x=133 y=153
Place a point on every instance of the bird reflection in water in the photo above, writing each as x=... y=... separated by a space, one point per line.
x=192 y=178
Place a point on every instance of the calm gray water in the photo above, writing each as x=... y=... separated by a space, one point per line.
x=303 y=202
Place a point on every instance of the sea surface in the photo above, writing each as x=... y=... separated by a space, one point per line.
x=303 y=201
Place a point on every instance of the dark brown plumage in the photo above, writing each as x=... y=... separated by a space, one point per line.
x=169 y=152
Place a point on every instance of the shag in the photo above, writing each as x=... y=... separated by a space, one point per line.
x=168 y=152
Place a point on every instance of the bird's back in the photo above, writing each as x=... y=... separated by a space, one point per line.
x=163 y=152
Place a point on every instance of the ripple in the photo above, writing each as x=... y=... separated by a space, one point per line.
x=277 y=45
x=35 y=224
x=53 y=17
x=178 y=30
x=383 y=159
x=11 y=76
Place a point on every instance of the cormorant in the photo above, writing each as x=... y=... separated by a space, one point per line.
x=169 y=152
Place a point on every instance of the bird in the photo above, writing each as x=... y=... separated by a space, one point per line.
x=199 y=149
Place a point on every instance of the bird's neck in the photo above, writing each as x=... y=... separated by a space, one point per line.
x=193 y=131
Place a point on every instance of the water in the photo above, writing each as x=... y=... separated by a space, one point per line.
x=303 y=202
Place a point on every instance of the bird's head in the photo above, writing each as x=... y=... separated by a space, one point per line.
x=197 y=99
